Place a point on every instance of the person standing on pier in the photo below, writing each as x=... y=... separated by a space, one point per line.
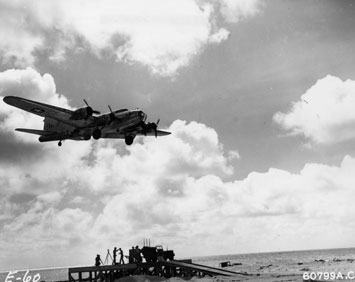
x=98 y=260
x=138 y=254
x=114 y=255
x=131 y=255
x=121 y=256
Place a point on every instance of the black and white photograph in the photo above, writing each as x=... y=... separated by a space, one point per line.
x=174 y=140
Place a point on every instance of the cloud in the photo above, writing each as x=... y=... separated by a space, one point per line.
x=235 y=10
x=76 y=183
x=221 y=35
x=84 y=197
x=162 y=35
x=30 y=84
x=324 y=114
x=22 y=24
x=196 y=214
x=233 y=155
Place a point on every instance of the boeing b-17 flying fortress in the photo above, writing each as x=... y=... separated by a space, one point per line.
x=61 y=124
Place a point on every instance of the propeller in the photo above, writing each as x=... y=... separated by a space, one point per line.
x=156 y=128
x=153 y=126
x=112 y=115
x=90 y=110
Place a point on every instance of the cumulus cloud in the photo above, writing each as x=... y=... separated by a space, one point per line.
x=196 y=213
x=324 y=114
x=30 y=84
x=162 y=35
x=72 y=202
x=77 y=182
x=18 y=45
x=26 y=83
x=235 y=10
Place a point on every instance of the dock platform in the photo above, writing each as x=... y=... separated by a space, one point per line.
x=167 y=269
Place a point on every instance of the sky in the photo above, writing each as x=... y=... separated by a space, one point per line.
x=259 y=96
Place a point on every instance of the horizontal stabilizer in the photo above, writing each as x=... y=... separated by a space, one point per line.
x=162 y=133
x=152 y=133
x=36 y=131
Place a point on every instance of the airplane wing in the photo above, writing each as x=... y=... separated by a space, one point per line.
x=114 y=135
x=36 y=131
x=45 y=110
x=139 y=130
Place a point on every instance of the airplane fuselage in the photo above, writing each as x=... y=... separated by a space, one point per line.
x=124 y=120
x=118 y=121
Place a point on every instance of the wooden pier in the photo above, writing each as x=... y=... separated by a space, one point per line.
x=167 y=269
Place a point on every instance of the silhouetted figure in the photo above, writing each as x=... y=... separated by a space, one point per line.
x=98 y=260
x=114 y=255
x=138 y=254
x=121 y=256
x=131 y=257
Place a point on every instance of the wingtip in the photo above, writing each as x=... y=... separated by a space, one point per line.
x=7 y=99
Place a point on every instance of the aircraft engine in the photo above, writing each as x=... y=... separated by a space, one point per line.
x=82 y=113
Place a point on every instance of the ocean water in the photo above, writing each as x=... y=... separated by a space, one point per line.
x=287 y=263
x=285 y=259
x=276 y=264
